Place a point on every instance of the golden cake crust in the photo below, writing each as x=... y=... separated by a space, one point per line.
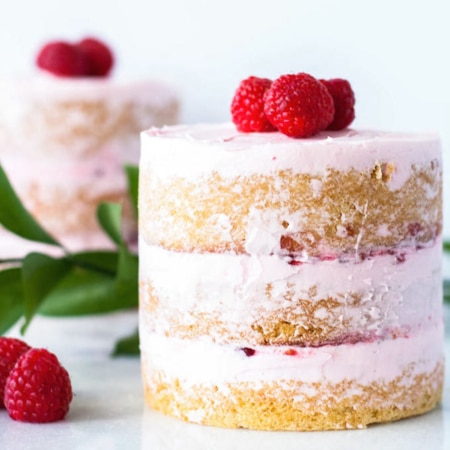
x=281 y=406
x=93 y=123
x=352 y=211
x=296 y=324
x=73 y=211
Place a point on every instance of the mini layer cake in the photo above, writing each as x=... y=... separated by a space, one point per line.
x=290 y=284
x=64 y=143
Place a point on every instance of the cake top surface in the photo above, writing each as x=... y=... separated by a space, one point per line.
x=226 y=135
x=196 y=149
x=50 y=87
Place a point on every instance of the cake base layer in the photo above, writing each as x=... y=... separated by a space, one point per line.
x=280 y=406
x=293 y=388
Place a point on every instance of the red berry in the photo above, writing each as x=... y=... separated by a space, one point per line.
x=344 y=103
x=62 y=59
x=247 y=106
x=299 y=105
x=290 y=352
x=99 y=57
x=10 y=351
x=248 y=351
x=38 y=389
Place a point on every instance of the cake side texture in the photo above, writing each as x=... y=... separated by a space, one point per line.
x=290 y=284
x=64 y=143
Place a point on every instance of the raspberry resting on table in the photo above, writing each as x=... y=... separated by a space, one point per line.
x=247 y=106
x=10 y=351
x=38 y=389
x=299 y=105
x=344 y=102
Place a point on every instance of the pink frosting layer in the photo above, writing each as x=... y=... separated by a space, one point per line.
x=202 y=362
x=395 y=297
x=189 y=151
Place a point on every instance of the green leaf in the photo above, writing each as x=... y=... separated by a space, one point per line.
x=11 y=298
x=109 y=217
x=40 y=274
x=127 y=278
x=447 y=246
x=126 y=285
x=101 y=282
x=81 y=292
x=104 y=261
x=447 y=291
x=127 y=346
x=132 y=173
x=15 y=218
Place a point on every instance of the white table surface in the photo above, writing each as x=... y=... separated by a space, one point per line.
x=108 y=410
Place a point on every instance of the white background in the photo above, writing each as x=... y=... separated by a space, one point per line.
x=396 y=53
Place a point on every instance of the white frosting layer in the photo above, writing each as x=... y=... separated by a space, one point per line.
x=190 y=151
x=103 y=172
x=201 y=362
x=377 y=296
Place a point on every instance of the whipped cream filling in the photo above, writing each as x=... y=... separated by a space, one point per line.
x=190 y=151
x=378 y=295
x=196 y=362
x=103 y=171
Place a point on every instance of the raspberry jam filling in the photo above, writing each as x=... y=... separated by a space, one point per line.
x=352 y=338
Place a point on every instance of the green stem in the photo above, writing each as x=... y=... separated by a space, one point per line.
x=89 y=266
x=11 y=261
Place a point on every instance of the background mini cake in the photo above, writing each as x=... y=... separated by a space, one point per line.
x=64 y=142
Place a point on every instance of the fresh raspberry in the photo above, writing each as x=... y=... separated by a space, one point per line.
x=10 y=351
x=248 y=351
x=38 y=389
x=299 y=105
x=62 y=59
x=247 y=106
x=344 y=103
x=99 y=57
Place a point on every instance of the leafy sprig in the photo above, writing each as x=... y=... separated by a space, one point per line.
x=74 y=284
x=446 y=248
